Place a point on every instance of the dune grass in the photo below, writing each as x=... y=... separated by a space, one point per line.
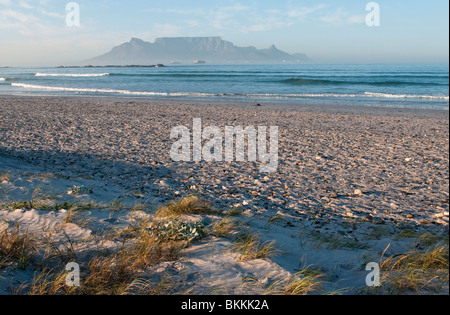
x=185 y=206
x=16 y=248
x=144 y=245
x=417 y=272
x=225 y=227
x=116 y=273
x=107 y=272
x=123 y=270
x=249 y=246
x=304 y=282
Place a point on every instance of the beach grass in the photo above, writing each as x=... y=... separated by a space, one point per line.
x=249 y=247
x=417 y=272
x=225 y=227
x=16 y=247
x=118 y=272
x=162 y=238
x=338 y=242
x=304 y=282
x=185 y=206
x=105 y=272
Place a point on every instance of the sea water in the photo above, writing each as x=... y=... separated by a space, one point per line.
x=386 y=85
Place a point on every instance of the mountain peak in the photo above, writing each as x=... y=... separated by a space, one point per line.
x=135 y=40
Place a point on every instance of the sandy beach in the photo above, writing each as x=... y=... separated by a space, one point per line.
x=354 y=185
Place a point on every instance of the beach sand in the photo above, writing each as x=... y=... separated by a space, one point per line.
x=351 y=182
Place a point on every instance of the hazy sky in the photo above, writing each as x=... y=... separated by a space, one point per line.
x=34 y=32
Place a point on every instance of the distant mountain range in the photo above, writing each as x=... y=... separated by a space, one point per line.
x=189 y=50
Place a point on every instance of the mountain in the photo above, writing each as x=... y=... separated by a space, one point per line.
x=187 y=50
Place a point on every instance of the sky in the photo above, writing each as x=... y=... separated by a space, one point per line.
x=36 y=33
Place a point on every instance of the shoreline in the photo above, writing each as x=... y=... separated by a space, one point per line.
x=351 y=181
x=269 y=104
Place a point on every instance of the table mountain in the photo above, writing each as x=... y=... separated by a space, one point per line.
x=188 y=50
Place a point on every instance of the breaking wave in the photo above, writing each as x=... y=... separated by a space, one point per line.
x=107 y=91
x=255 y=95
x=75 y=75
x=397 y=96
x=84 y=90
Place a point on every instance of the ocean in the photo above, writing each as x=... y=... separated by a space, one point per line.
x=388 y=85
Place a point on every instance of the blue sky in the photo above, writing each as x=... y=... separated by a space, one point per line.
x=34 y=32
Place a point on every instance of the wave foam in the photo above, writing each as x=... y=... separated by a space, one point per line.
x=386 y=95
x=82 y=90
x=109 y=91
x=75 y=75
x=199 y=94
x=2 y=79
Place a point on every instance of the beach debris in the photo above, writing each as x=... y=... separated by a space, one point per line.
x=333 y=195
x=358 y=192
x=393 y=206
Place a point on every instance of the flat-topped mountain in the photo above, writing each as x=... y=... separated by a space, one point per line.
x=188 y=50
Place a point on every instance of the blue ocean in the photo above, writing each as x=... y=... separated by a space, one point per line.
x=399 y=86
